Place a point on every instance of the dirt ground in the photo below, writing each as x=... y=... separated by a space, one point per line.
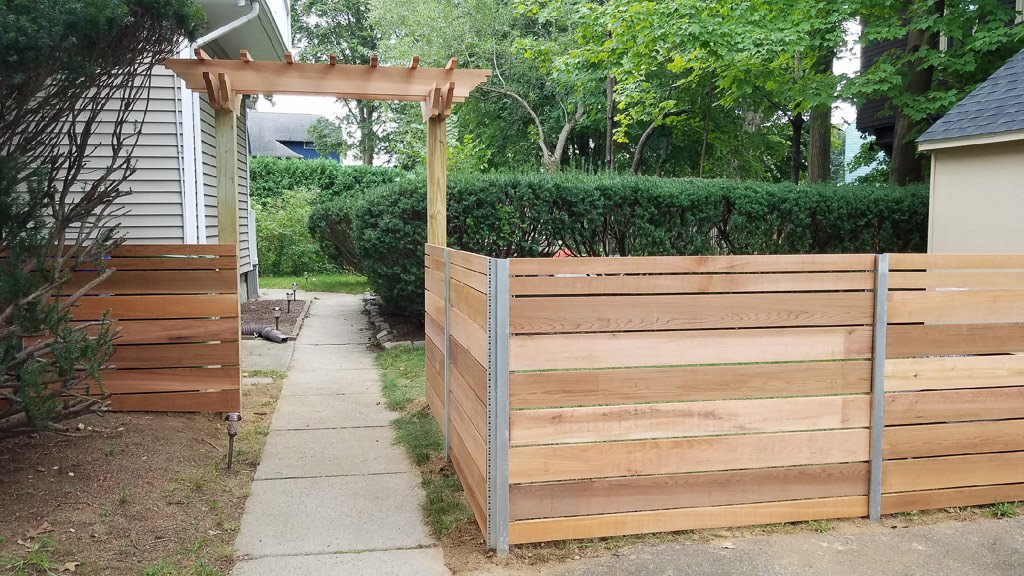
x=261 y=313
x=131 y=493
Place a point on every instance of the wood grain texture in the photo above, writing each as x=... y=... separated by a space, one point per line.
x=476 y=445
x=955 y=261
x=463 y=391
x=957 y=306
x=435 y=264
x=471 y=371
x=433 y=330
x=171 y=263
x=167 y=331
x=434 y=250
x=474 y=280
x=953 y=372
x=692 y=264
x=175 y=355
x=434 y=307
x=157 y=282
x=687 y=312
x=957 y=279
x=685 y=519
x=171 y=380
x=576 y=461
x=952 y=439
x=614 y=350
x=473 y=483
x=471 y=336
x=434 y=401
x=637 y=493
x=689 y=283
x=153 y=250
x=433 y=282
x=470 y=302
x=952 y=472
x=474 y=262
x=636 y=385
x=640 y=421
x=156 y=307
x=973 y=496
x=215 y=401
x=948 y=339
x=953 y=405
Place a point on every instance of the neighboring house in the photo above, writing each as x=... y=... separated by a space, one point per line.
x=977 y=175
x=855 y=141
x=283 y=136
x=174 y=196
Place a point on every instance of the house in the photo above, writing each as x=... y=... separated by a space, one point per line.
x=977 y=168
x=853 y=142
x=283 y=136
x=174 y=196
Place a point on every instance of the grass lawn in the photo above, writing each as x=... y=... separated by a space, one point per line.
x=403 y=374
x=344 y=283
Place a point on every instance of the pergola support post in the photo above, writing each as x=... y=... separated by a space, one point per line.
x=227 y=177
x=437 y=180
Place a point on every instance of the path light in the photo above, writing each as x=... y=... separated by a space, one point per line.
x=232 y=418
x=277 y=318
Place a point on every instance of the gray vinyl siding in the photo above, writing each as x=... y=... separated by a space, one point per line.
x=155 y=204
x=209 y=142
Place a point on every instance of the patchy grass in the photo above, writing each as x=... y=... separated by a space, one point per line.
x=403 y=374
x=402 y=370
x=39 y=559
x=1003 y=510
x=343 y=283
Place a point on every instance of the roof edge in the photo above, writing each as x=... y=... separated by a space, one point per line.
x=972 y=140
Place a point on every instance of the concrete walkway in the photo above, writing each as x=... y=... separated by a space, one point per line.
x=333 y=495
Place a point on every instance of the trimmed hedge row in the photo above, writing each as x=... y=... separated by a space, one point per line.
x=535 y=215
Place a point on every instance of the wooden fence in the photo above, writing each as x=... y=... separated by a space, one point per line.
x=631 y=395
x=175 y=310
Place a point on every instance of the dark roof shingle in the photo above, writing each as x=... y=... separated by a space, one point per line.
x=996 y=105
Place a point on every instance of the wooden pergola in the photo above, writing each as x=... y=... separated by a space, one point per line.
x=226 y=81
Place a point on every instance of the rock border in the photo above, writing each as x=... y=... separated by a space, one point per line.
x=373 y=308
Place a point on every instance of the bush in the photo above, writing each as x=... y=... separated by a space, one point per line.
x=284 y=243
x=535 y=215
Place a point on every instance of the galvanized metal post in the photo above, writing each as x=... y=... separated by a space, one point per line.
x=447 y=347
x=878 y=386
x=497 y=404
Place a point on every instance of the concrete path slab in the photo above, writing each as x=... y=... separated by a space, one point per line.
x=263 y=355
x=330 y=411
x=333 y=452
x=339 y=514
x=418 y=562
x=333 y=494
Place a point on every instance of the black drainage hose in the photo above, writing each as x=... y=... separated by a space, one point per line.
x=265 y=332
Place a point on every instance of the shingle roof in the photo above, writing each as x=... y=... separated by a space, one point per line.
x=996 y=105
x=268 y=129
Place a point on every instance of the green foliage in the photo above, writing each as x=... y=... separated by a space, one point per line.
x=401 y=371
x=535 y=215
x=285 y=246
x=341 y=283
x=1003 y=510
x=329 y=138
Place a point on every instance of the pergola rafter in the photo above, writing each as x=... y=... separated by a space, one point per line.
x=226 y=81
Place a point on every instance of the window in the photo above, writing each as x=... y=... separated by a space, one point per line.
x=309 y=146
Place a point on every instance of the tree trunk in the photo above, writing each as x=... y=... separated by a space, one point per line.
x=906 y=164
x=609 y=118
x=705 y=135
x=796 y=156
x=819 y=138
x=367 y=135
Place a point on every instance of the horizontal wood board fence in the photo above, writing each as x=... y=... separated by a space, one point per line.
x=672 y=393
x=175 y=312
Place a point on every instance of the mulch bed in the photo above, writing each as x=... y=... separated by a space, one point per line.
x=260 y=312
x=406 y=327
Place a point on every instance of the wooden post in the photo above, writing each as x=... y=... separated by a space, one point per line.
x=227 y=177
x=437 y=181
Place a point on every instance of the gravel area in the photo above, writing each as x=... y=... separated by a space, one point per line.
x=260 y=312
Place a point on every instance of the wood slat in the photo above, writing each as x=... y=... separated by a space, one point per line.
x=167 y=331
x=471 y=371
x=953 y=405
x=955 y=261
x=433 y=282
x=470 y=278
x=689 y=283
x=216 y=401
x=957 y=306
x=973 y=496
x=468 y=334
x=156 y=307
x=576 y=461
x=952 y=439
x=434 y=250
x=171 y=263
x=476 y=445
x=171 y=380
x=952 y=472
x=561 y=351
x=470 y=302
x=434 y=355
x=685 y=519
x=953 y=372
x=474 y=262
x=150 y=250
x=435 y=377
x=632 y=313
x=462 y=391
x=175 y=355
x=639 y=421
x=434 y=308
x=973 y=280
x=433 y=330
x=158 y=282
x=473 y=483
x=943 y=339
x=692 y=264
x=636 y=385
x=638 y=493
x=435 y=264
x=436 y=404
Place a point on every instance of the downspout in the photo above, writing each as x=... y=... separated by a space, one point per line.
x=229 y=26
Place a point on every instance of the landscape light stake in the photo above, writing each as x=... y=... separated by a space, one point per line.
x=277 y=318
x=232 y=418
x=288 y=299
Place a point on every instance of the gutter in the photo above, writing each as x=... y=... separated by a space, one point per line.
x=253 y=13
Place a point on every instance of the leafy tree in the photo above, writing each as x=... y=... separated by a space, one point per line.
x=67 y=69
x=286 y=247
x=329 y=137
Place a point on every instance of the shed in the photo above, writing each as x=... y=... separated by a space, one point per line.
x=977 y=168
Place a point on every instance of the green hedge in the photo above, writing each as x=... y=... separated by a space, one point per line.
x=534 y=215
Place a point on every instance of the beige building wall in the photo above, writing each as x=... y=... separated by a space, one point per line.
x=977 y=198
